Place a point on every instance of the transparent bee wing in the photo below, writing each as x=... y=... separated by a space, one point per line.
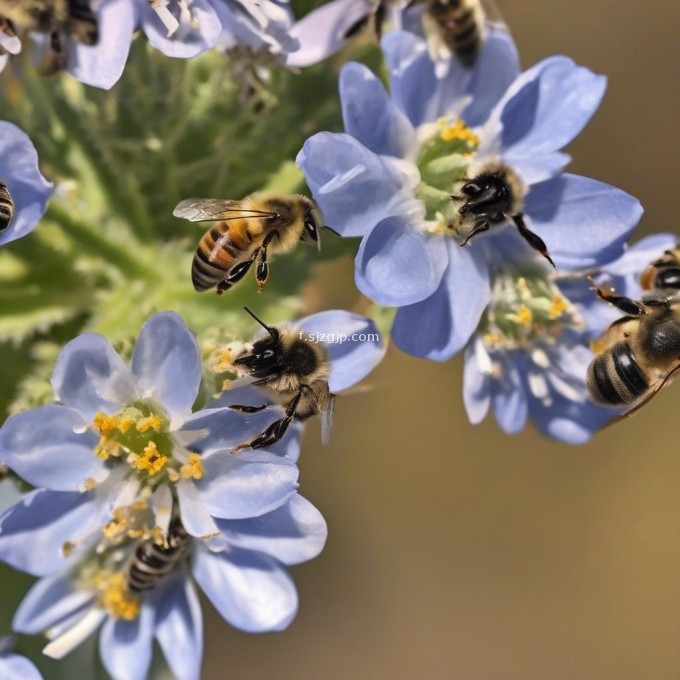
x=327 y=412
x=214 y=209
x=493 y=16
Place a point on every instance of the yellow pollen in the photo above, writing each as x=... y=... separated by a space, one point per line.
x=492 y=339
x=558 y=306
x=151 y=462
x=107 y=448
x=226 y=384
x=105 y=424
x=90 y=483
x=115 y=596
x=125 y=423
x=152 y=422
x=524 y=316
x=457 y=131
x=224 y=361
x=194 y=468
x=173 y=475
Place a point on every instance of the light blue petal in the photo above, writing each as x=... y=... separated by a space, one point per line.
x=250 y=590
x=125 y=646
x=539 y=168
x=48 y=602
x=353 y=343
x=354 y=187
x=101 y=65
x=369 y=114
x=441 y=325
x=48 y=448
x=544 y=109
x=189 y=40
x=33 y=532
x=398 y=265
x=293 y=533
x=15 y=667
x=509 y=400
x=568 y=421
x=167 y=363
x=9 y=494
x=28 y=188
x=89 y=376
x=246 y=484
x=322 y=32
x=476 y=384
x=179 y=629
x=584 y=222
x=640 y=255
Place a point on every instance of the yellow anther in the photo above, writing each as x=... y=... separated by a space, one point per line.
x=89 y=484
x=115 y=528
x=105 y=424
x=138 y=506
x=151 y=422
x=107 y=448
x=226 y=384
x=524 y=316
x=225 y=359
x=457 y=131
x=492 y=339
x=194 y=468
x=173 y=475
x=558 y=306
x=115 y=597
x=135 y=533
x=151 y=462
x=125 y=423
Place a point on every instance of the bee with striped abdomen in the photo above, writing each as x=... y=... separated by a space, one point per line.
x=664 y=274
x=151 y=562
x=246 y=232
x=639 y=352
x=56 y=18
x=293 y=371
x=6 y=207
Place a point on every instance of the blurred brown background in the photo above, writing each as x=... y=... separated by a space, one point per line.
x=458 y=552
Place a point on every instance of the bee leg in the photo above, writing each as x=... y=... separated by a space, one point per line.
x=262 y=271
x=235 y=274
x=625 y=304
x=276 y=430
x=534 y=240
x=247 y=409
x=56 y=60
x=478 y=229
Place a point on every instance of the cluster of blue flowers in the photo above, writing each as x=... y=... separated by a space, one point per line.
x=122 y=457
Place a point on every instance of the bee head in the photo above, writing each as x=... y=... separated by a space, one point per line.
x=265 y=353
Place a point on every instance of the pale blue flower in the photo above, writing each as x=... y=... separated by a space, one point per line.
x=14 y=666
x=246 y=581
x=29 y=190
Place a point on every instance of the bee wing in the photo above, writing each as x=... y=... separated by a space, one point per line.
x=214 y=209
x=493 y=15
x=327 y=412
x=650 y=394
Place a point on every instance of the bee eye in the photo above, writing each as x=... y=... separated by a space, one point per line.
x=310 y=226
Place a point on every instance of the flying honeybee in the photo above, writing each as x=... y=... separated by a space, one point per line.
x=639 y=352
x=6 y=207
x=246 y=232
x=56 y=18
x=664 y=274
x=451 y=26
x=293 y=371
x=151 y=563
x=494 y=194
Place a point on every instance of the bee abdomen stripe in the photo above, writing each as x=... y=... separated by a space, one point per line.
x=605 y=389
x=629 y=372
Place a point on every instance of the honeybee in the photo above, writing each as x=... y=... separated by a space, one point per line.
x=494 y=194
x=151 y=563
x=664 y=274
x=6 y=207
x=457 y=26
x=247 y=231
x=640 y=352
x=293 y=371
x=56 y=18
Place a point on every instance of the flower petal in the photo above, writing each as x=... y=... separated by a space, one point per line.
x=15 y=667
x=34 y=531
x=509 y=397
x=293 y=533
x=167 y=363
x=398 y=265
x=583 y=222
x=179 y=629
x=101 y=65
x=28 y=188
x=441 y=325
x=195 y=517
x=48 y=448
x=353 y=343
x=250 y=590
x=125 y=646
x=476 y=381
x=241 y=485
x=89 y=376
x=369 y=114
x=354 y=187
x=48 y=602
x=640 y=255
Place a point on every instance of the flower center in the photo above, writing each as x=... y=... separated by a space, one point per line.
x=114 y=595
x=525 y=309
x=446 y=150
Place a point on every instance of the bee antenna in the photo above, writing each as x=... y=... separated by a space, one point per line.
x=325 y=226
x=269 y=329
